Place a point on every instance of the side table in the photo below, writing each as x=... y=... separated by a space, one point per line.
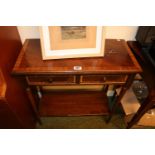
x=117 y=67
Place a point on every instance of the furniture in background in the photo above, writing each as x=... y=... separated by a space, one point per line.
x=145 y=35
x=117 y=67
x=148 y=76
x=15 y=111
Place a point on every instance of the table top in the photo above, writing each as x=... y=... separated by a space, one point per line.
x=118 y=58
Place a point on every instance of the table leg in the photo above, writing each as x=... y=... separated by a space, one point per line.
x=33 y=104
x=147 y=105
x=121 y=94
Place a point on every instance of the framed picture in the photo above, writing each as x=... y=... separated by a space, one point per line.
x=59 y=42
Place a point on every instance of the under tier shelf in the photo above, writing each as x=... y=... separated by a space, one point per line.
x=74 y=103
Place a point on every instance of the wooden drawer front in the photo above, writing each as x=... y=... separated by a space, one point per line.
x=103 y=79
x=50 y=80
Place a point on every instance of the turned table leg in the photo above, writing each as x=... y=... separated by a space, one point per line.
x=34 y=105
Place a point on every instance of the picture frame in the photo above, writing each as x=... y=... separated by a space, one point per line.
x=59 y=42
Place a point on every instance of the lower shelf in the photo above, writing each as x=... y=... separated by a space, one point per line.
x=74 y=104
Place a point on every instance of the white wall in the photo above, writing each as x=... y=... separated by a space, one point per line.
x=121 y=32
x=112 y=32
x=28 y=32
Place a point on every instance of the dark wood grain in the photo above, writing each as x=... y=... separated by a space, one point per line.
x=118 y=59
x=8 y=118
x=116 y=67
x=74 y=104
x=148 y=75
x=145 y=65
x=51 y=80
x=15 y=112
x=103 y=79
x=2 y=86
x=34 y=107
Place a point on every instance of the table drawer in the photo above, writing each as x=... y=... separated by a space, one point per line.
x=103 y=79
x=50 y=80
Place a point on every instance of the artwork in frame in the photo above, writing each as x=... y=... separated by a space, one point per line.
x=59 y=42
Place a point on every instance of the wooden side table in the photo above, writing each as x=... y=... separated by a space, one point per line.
x=117 y=67
x=148 y=75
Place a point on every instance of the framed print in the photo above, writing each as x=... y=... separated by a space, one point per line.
x=59 y=42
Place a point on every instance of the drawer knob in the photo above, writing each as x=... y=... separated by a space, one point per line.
x=50 y=80
x=77 y=68
x=104 y=79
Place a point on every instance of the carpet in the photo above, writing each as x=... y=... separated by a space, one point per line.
x=84 y=122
